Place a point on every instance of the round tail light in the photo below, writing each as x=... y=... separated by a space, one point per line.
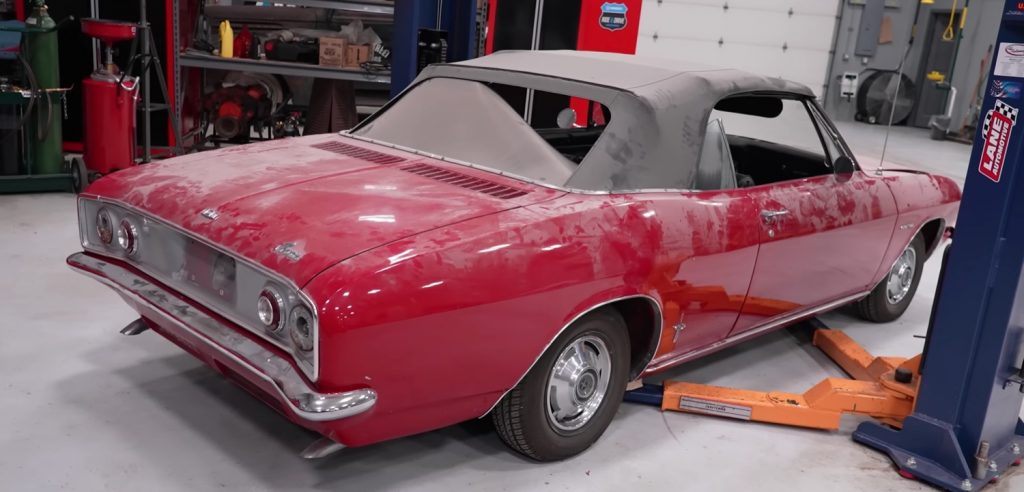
x=269 y=307
x=128 y=237
x=105 y=226
x=301 y=322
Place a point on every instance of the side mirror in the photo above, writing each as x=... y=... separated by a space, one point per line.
x=843 y=165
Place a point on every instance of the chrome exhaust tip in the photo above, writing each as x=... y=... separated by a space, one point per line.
x=321 y=448
x=135 y=327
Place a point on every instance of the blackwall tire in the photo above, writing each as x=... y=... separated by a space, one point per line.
x=538 y=421
x=888 y=301
x=79 y=175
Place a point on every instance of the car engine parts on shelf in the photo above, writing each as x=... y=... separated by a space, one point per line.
x=247 y=102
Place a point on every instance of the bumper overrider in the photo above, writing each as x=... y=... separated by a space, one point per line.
x=223 y=346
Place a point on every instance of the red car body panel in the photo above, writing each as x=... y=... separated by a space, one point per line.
x=828 y=246
x=352 y=203
x=445 y=299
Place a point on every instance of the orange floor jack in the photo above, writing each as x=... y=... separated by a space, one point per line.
x=882 y=387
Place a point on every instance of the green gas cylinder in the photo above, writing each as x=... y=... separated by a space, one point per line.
x=44 y=131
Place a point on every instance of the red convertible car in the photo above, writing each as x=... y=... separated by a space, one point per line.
x=515 y=237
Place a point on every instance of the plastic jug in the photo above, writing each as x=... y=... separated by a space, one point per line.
x=227 y=40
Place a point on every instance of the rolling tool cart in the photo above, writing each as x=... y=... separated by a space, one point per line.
x=33 y=113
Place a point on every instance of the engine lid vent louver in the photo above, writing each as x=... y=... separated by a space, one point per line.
x=358 y=152
x=480 y=185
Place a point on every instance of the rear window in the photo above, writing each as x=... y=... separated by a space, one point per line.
x=538 y=135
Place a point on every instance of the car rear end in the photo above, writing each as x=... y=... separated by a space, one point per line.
x=250 y=324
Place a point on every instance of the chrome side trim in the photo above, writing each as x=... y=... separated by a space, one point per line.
x=292 y=391
x=659 y=316
x=258 y=331
x=753 y=332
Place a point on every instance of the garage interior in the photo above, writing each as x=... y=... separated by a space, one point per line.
x=87 y=409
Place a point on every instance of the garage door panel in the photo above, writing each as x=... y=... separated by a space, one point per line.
x=752 y=32
x=800 y=7
x=700 y=22
x=805 y=67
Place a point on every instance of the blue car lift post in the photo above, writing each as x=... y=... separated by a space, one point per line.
x=965 y=429
x=456 y=17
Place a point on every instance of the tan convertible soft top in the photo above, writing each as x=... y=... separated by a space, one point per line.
x=643 y=76
x=659 y=111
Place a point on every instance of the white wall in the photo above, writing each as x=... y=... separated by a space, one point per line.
x=752 y=34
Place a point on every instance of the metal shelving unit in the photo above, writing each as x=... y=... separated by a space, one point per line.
x=364 y=7
x=189 y=58
x=197 y=59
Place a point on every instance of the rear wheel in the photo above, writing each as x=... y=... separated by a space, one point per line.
x=79 y=175
x=569 y=397
x=891 y=297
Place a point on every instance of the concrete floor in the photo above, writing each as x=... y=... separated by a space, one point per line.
x=86 y=409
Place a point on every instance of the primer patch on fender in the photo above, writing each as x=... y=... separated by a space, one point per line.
x=996 y=130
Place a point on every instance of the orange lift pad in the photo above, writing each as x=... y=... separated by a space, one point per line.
x=874 y=391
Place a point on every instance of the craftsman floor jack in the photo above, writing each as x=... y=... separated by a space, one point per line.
x=950 y=416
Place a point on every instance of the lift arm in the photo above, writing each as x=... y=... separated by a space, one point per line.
x=883 y=388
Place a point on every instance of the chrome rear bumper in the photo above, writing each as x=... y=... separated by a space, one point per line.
x=206 y=335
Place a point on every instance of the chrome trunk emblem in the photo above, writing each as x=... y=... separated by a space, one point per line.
x=288 y=250
x=210 y=213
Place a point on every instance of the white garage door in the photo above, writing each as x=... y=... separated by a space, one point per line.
x=781 y=38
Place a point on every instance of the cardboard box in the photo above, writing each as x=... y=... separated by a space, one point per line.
x=356 y=54
x=333 y=52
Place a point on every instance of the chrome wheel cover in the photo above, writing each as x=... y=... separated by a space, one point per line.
x=578 y=383
x=901 y=277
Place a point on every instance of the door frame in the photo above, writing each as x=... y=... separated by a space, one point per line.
x=935 y=20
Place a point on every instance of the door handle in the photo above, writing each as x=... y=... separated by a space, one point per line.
x=770 y=216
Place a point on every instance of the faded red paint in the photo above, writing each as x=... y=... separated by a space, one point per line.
x=445 y=299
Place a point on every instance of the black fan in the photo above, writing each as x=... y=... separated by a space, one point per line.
x=875 y=98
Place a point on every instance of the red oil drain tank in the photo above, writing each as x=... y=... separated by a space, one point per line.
x=109 y=100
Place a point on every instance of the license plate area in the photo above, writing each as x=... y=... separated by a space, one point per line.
x=210 y=272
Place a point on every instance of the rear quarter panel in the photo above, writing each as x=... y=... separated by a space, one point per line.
x=443 y=323
x=920 y=198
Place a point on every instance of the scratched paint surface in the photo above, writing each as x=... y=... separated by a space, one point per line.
x=419 y=282
x=329 y=206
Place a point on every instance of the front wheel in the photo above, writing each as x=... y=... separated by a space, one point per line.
x=571 y=394
x=893 y=294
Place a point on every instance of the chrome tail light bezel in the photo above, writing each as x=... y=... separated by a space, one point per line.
x=154 y=233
